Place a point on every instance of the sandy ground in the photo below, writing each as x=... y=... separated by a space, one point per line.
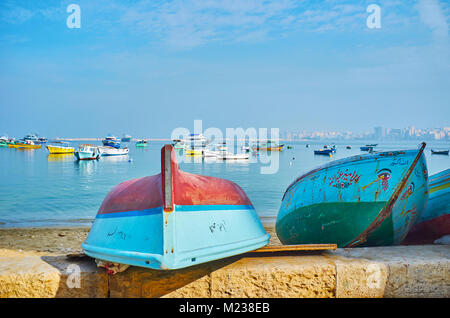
x=63 y=240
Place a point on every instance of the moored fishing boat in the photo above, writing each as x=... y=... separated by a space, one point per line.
x=222 y=146
x=141 y=143
x=245 y=148
x=207 y=153
x=224 y=155
x=194 y=152
x=178 y=144
x=60 y=148
x=111 y=151
x=24 y=144
x=126 y=138
x=368 y=200
x=435 y=220
x=31 y=137
x=268 y=146
x=42 y=140
x=111 y=141
x=173 y=220
x=325 y=152
x=87 y=152
x=366 y=148
x=439 y=152
x=195 y=140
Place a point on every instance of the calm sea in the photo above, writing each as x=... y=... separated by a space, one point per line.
x=38 y=189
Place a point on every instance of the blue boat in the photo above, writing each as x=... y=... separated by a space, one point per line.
x=173 y=220
x=111 y=141
x=326 y=152
x=435 y=220
x=368 y=200
x=367 y=148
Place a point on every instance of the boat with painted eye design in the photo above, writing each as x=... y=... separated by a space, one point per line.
x=368 y=200
x=173 y=220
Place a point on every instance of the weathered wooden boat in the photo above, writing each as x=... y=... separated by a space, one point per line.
x=112 y=151
x=325 y=152
x=435 y=220
x=60 y=148
x=87 y=152
x=368 y=200
x=173 y=220
x=439 y=152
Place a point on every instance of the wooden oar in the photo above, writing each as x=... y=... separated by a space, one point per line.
x=290 y=248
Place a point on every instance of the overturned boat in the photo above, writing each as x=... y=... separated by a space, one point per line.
x=368 y=200
x=435 y=220
x=173 y=220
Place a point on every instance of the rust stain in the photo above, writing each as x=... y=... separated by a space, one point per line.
x=377 y=193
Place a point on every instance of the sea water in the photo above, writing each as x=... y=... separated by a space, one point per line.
x=38 y=189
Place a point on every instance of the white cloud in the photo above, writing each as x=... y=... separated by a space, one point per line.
x=433 y=17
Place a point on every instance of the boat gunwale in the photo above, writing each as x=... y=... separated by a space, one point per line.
x=347 y=160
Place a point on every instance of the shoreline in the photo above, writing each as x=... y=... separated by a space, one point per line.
x=60 y=240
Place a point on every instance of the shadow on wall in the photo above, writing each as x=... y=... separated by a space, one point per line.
x=135 y=282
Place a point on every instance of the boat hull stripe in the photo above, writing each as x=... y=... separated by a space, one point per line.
x=180 y=208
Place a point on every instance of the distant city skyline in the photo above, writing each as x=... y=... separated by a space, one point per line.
x=378 y=133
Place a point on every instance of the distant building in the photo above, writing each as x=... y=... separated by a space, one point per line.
x=378 y=132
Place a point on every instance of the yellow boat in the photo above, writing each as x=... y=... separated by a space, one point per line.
x=24 y=145
x=269 y=146
x=193 y=152
x=63 y=149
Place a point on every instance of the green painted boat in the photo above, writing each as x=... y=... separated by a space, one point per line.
x=365 y=200
x=141 y=144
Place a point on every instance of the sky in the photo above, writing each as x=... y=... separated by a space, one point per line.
x=147 y=67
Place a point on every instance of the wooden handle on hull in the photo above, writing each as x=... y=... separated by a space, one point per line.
x=387 y=209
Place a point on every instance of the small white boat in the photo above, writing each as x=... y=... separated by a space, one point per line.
x=231 y=156
x=245 y=148
x=222 y=146
x=210 y=154
x=111 y=151
x=195 y=140
x=87 y=152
